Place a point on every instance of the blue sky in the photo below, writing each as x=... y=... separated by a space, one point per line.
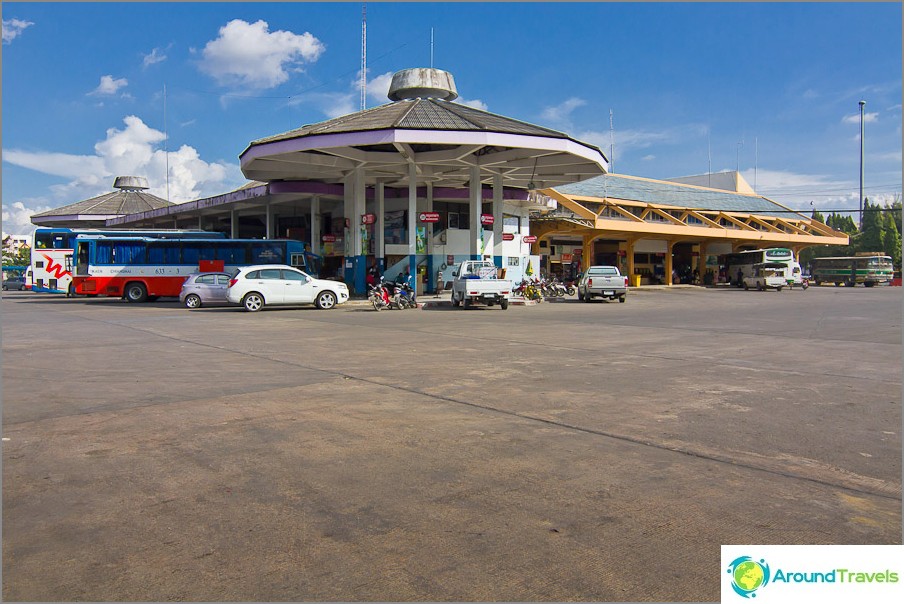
x=771 y=86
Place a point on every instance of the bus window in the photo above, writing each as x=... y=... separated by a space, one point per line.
x=104 y=252
x=163 y=252
x=232 y=252
x=129 y=253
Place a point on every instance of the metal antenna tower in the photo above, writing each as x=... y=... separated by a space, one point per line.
x=364 y=56
x=165 y=137
x=611 y=143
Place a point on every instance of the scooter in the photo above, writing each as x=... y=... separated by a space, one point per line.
x=378 y=295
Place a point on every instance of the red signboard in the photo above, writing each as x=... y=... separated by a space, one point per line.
x=428 y=216
x=487 y=219
x=329 y=238
x=566 y=257
x=508 y=236
x=529 y=239
x=368 y=218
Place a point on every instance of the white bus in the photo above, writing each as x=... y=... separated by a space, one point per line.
x=741 y=264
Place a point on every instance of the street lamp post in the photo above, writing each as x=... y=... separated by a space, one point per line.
x=862 y=103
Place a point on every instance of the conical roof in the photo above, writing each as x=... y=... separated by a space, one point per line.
x=417 y=114
x=102 y=207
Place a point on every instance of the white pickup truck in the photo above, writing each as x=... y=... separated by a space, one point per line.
x=603 y=282
x=475 y=282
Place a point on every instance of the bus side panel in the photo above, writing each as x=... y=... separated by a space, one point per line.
x=114 y=286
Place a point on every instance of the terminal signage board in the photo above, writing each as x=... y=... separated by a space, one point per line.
x=487 y=219
x=529 y=239
x=329 y=238
x=508 y=236
x=428 y=216
x=368 y=218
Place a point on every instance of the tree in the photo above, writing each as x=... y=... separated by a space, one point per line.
x=817 y=215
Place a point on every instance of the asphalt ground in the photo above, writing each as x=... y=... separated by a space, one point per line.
x=564 y=451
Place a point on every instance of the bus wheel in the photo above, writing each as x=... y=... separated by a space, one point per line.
x=136 y=292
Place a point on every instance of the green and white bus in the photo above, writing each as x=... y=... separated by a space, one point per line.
x=868 y=268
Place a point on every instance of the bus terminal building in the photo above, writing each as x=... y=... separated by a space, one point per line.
x=422 y=183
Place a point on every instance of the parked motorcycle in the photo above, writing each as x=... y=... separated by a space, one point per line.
x=378 y=295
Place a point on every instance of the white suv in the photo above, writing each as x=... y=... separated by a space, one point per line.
x=262 y=284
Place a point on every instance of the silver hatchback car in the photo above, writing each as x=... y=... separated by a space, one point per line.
x=204 y=288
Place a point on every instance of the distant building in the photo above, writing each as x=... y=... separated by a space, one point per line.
x=130 y=197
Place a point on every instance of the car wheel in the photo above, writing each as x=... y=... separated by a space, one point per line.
x=326 y=300
x=621 y=299
x=253 y=302
x=504 y=304
x=455 y=301
x=466 y=303
x=136 y=292
x=192 y=301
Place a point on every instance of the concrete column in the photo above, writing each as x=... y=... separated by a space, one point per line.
x=498 y=205
x=431 y=278
x=412 y=218
x=476 y=202
x=701 y=262
x=233 y=224
x=269 y=222
x=380 y=243
x=587 y=252
x=629 y=250
x=200 y=222
x=315 y=236
x=668 y=262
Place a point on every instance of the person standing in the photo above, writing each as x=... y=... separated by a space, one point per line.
x=409 y=281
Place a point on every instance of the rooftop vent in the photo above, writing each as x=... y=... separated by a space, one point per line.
x=422 y=83
x=131 y=183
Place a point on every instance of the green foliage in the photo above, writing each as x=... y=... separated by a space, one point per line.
x=881 y=233
x=21 y=258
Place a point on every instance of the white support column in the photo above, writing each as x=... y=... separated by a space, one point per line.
x=360 y=197
x=380 y=244
x=476 y=208
x=498 y=205
x=200 y=222
x=430 y=224
x=412 y=215
x=233 y=224
x=316 y=243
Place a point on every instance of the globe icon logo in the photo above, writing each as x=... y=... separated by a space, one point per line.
x=748 y=575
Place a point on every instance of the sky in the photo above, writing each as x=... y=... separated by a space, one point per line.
x=92 y=91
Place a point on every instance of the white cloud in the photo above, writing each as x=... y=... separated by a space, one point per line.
x=248 y=54
x=17 y=216
x=560 y=115
x=855 y=118
x=476 y=103
x=12 y=28
x=155 y=56
x=131 y=151
x=797 y=191
x=648 y=157
x=626 y=140
x=378 y=88
x=109 y=86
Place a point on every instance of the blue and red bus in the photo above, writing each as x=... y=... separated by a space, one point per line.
x=145 y=268
x=52 y=247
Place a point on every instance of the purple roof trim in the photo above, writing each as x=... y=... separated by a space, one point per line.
x=306 y=186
